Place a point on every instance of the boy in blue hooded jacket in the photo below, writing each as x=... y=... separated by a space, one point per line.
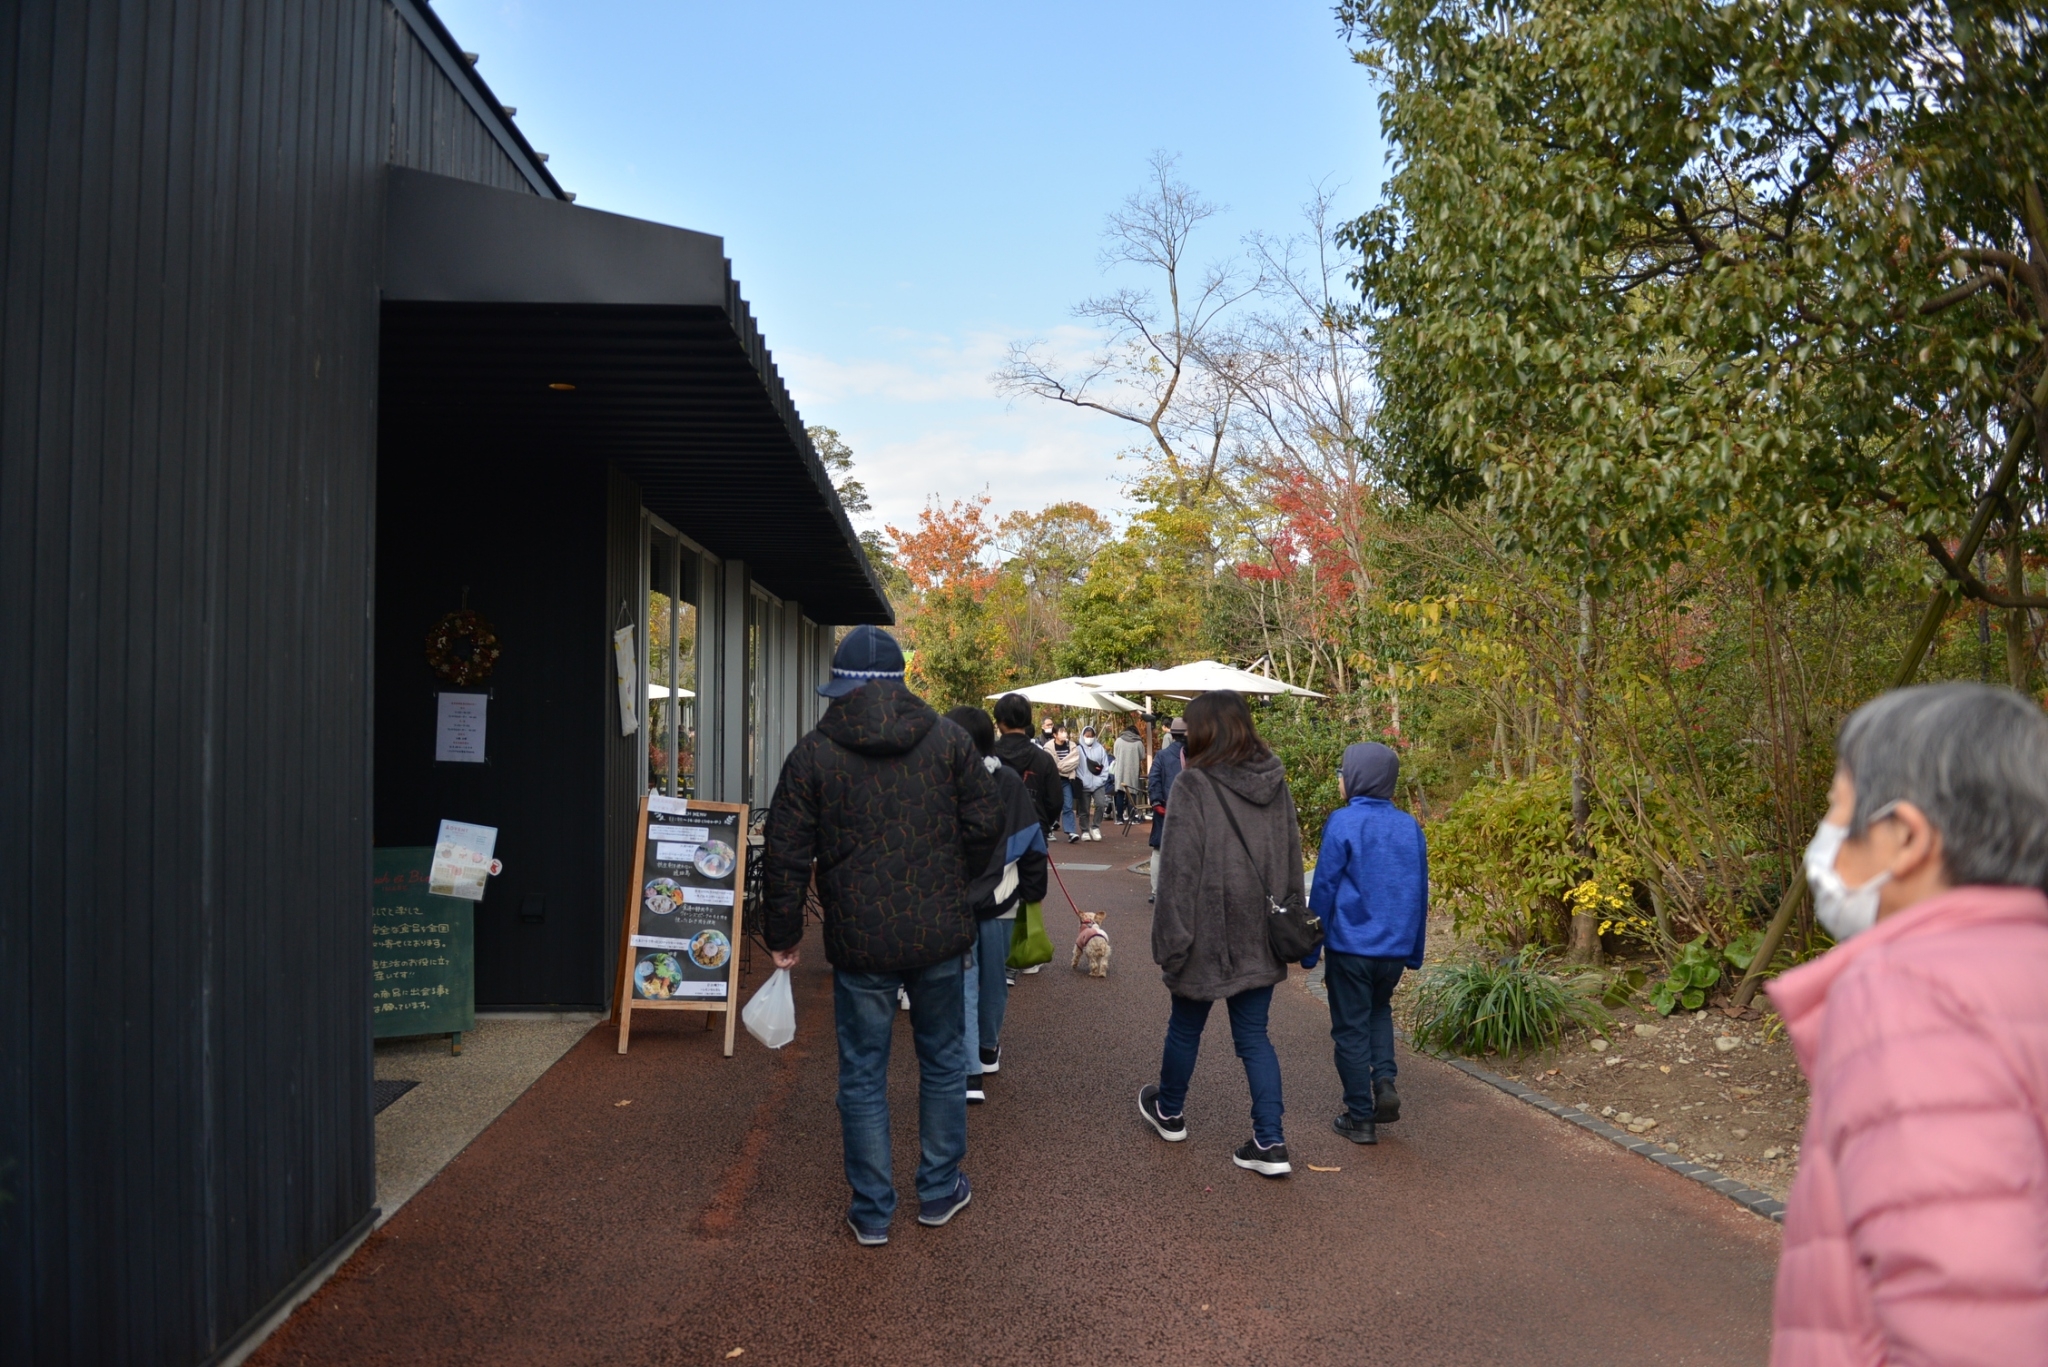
x=1372 y=891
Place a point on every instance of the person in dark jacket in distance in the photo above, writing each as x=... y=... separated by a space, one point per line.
x=1372 y=892
x=1233 y=848
x=1032 y=762
x=1166 y=767
x=1013 y=876
x=886 y=799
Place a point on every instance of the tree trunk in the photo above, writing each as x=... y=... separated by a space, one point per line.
x=2018 y=664
x=1585 y=945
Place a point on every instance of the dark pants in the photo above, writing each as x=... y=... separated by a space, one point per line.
x=865 y=1005
x=1248 y=1033
x=1361 y=1023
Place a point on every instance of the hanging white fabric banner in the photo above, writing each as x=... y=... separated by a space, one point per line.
x=629 y=680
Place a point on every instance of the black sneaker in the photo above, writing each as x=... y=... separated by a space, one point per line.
x=1074 y=838
x=991 y=1060
x=1265 y=1162
x=935 y=1213
x=1357 y=1131
x=975 y=1096
x=1172 y=1128
x=1386 y=1102
x=1009 y=977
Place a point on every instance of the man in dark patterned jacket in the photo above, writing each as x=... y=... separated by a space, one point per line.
x=892 y=804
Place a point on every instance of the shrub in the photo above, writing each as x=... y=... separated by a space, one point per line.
x=1502 y=860
x=1504 y=1005
x=1697 y=971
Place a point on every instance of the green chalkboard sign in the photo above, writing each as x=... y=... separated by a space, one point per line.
x=422 y=950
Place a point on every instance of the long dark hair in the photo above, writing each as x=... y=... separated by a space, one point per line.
x=1220 y=731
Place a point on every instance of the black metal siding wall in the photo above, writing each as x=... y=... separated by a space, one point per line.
x=432 y=126
x=625 y=757
x=191 y=203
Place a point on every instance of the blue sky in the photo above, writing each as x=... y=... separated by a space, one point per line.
x=904 y=189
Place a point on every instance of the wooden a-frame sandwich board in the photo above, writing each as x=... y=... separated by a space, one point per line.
x=671 y=892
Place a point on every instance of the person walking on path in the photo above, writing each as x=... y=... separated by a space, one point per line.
x=1127 y=770
x=1093 y=785
x=1166 y=767
x=1917 y=1227
x=884 y=802
x=1031 y=762
x=1013 y=877
x=1372 y=892
x=1066 y=757
x=1232 y=848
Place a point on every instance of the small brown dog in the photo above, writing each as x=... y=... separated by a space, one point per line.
x=1092 y=944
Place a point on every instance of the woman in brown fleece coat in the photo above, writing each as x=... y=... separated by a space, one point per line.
x=1231 y=847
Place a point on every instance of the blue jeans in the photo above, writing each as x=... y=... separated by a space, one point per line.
x=1361 y=1023
x=1248 y=1033
x=989 y=995
x=1067 y=805
x=865 y=1007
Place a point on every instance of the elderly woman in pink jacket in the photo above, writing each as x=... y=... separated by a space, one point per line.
x=1917 y=1231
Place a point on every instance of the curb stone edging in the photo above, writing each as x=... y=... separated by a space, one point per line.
x=1749 y=1198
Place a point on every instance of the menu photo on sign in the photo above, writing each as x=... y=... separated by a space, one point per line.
x=462 y=860
x=689 y=887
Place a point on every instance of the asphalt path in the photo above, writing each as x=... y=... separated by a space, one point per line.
x=708 y=1214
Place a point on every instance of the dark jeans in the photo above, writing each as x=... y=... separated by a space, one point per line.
x=1248 y=1033
x=992 y=949
x=865 y=1007
x=1361 y=1023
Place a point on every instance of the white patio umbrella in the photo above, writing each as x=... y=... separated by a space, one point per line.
x=659 y=693
x=1184 y=681
x=1128 y=680
x=1071 y=692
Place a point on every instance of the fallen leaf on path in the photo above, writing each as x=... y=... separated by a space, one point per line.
x=1663 y=1067
x=737 y=1352
x=622 y=1103
x=1551 y=1073
x=1313 y=1168
x=1205 y=1305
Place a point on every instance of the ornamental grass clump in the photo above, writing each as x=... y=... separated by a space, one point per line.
x=1503 y=1005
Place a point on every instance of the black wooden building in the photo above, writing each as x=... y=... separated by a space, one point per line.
x=301 y=346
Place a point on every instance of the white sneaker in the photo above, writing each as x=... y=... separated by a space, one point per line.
x=1095 y=834
x=1034 y=968
x=902 y=999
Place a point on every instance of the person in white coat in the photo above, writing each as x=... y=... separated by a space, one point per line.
x=1093 y=773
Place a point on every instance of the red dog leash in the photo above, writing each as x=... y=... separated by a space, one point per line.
x=1063 y=885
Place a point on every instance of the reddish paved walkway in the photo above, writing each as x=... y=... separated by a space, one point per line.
x=707 y=1215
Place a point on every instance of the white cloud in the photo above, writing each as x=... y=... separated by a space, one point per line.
x=925 y=421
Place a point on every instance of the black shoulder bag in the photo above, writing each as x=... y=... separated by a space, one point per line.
x=1292 y=929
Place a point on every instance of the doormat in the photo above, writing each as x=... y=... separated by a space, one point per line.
x=385 y=1090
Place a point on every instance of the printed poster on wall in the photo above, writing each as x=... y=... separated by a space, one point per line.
x=459 y=727
x=689 y=895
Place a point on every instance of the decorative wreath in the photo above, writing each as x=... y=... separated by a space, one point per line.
x=462 y=648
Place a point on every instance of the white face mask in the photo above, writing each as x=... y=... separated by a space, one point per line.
x=1846 y=912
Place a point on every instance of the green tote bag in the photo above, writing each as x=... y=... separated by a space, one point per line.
x=1028 y=942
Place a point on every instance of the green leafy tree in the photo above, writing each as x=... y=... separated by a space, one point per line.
x=1652 y=269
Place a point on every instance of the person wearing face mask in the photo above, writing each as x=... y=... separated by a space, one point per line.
x=1917 y=1228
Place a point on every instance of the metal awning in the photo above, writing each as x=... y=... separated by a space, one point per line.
x=495 y=300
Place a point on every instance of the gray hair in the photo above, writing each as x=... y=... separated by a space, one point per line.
x=1972 y=757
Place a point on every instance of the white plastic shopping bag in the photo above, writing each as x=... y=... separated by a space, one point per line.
x=770 y=1016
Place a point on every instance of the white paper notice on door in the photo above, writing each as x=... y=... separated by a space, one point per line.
x=459 y=728
x=462 y=860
